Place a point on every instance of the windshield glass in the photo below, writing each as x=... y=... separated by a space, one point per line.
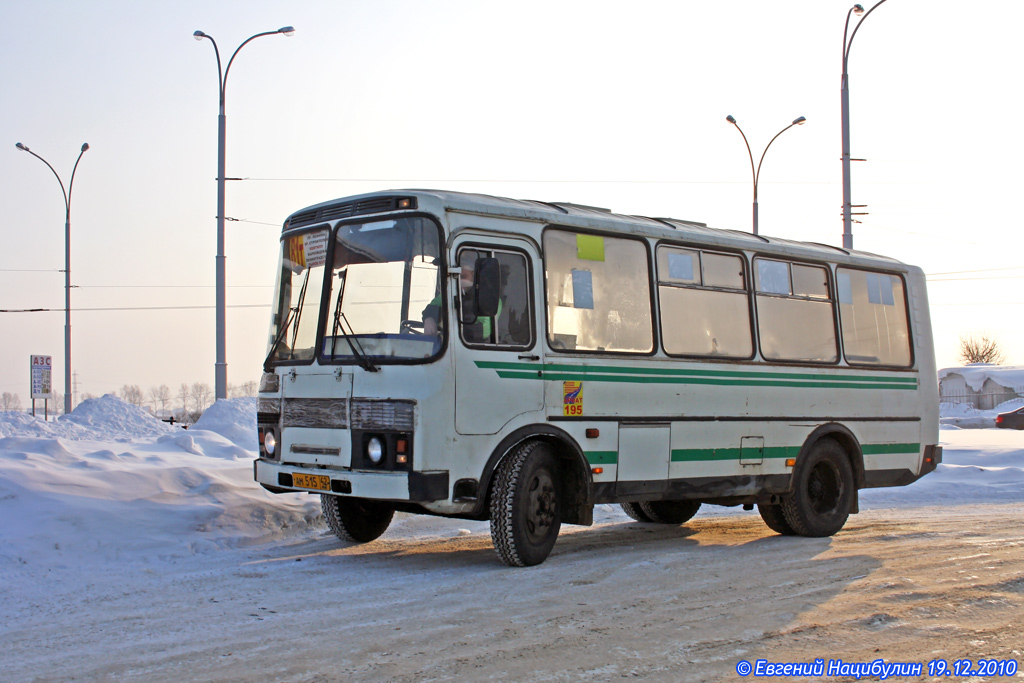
x=297 y=297
x=383 y=292
x=384 y=300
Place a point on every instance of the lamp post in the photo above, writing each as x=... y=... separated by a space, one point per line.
x=845 y=97
x=221 y=367
x=68 y=399
x=757 y=172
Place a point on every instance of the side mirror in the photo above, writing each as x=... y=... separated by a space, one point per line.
x=487 y=284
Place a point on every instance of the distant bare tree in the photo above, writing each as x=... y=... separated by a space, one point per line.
x=132 y=393
x=980 y=349
x=57 y=403
x=9 y=401
x=200 y=396
x=160 y=396
x=250 y=388
x=183 y=396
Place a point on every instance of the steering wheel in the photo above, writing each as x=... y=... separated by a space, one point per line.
x=409 y=327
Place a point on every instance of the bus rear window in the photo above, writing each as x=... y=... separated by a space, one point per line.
x=873 y=313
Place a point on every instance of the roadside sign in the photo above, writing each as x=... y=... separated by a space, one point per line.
x=41 y=368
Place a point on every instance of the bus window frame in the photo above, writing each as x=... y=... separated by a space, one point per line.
x=651 y=286
x=748 y=287
x=319 y=341
x=325 y=360
x=828 y=267
x=530 y=295
x=911 y=332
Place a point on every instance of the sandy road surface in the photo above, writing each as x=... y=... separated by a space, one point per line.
x=430 y=602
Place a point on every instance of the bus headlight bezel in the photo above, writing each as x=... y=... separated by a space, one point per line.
x=269 y=442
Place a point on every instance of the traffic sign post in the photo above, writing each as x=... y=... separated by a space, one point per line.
x=40 y=369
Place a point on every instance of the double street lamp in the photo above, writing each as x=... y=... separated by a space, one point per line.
x=221 y=367
x=756 y=172
x=845 y=96
x=68 y=399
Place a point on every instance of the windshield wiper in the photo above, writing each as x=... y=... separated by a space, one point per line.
x=353 y=342
x=280 y=336
x=293 y=313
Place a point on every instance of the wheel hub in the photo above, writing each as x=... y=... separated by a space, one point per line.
x=541 y=507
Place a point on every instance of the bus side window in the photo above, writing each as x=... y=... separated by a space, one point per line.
x=794 y=312
x=705 y=309
x=511 y=325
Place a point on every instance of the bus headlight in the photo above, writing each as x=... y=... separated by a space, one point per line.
x=375 y=451
x=269 y=442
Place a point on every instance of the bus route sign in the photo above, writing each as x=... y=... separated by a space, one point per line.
x=40 y=368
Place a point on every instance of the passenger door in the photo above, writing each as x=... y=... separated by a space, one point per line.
x=497 y=358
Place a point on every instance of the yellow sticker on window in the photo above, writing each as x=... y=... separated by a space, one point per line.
x=590 y=247
x=572 y=398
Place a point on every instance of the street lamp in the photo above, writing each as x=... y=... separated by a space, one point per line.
x=757 y=172
x=221 y=367
x=68 y=399
x=845 y=93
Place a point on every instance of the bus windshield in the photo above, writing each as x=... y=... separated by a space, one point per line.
x=383 y=294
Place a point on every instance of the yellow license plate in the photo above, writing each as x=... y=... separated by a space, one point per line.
x=311 y=481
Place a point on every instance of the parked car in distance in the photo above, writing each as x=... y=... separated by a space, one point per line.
x=1011 y=420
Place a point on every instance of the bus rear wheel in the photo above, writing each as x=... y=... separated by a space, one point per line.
x=670 y=511
x=823 y=491
x=526 y=510
x=354 y=519
x=635 y=511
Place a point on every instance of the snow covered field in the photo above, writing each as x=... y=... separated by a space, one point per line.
x=130 y=549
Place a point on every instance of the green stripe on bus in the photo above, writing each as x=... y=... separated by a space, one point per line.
x=890 y=448
x=602 y=457
x=768 y=453
x=560 y=372
x=747 y=374
x=703 y=454
x=625 y=379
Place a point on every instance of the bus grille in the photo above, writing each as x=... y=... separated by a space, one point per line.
x=396 y=415
x=317 y=413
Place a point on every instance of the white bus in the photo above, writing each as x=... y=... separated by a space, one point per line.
x=485 y=358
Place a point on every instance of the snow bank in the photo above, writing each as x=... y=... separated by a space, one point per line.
x=978 y=466
x=107 y=418
x=964 y=416
x=235 y=420
x=144 y=492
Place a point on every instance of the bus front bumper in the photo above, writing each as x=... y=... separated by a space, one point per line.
x=417 y=487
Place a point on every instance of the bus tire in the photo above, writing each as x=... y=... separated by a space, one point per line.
x=354 y=519
x=635 y=511
x=526 y=505
x=670 y=511
x=823 y=491
x=775 y=519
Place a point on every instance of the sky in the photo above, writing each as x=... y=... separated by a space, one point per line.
x=601 y=103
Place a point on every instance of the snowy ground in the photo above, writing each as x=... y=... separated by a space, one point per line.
x=131 y=550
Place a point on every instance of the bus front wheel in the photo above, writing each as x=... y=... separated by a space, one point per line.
x=775 y=518
x=823 y=491
x=354 y=519
x=525 y=507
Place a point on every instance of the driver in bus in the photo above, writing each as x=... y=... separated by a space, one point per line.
x=476 y=332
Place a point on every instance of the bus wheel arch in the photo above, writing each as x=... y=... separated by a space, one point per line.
x=847 y=441
x=573 y=471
